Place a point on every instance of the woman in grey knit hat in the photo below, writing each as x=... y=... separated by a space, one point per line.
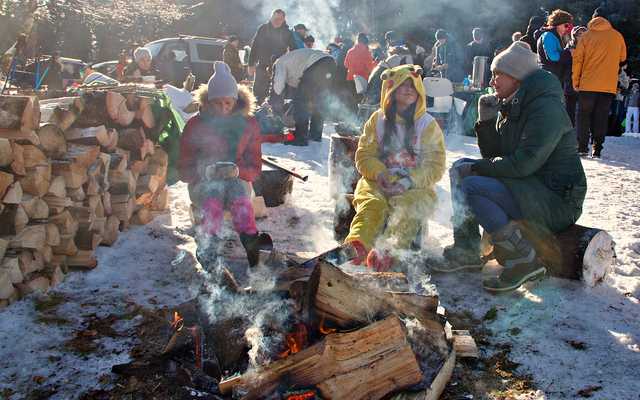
x=530 y=175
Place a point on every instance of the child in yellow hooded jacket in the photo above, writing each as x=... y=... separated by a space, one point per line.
x=401 y=156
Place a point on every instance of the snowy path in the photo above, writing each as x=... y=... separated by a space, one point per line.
x=539 y=322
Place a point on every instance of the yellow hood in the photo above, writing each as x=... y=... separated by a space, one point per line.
x=394 y=77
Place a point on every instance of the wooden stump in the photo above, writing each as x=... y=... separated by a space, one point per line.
x=273 y=185
x=343 y=175
x=343 y=215
x=577 y=253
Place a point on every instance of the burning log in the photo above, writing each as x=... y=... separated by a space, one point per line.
x=346 y=302
x=368 y=363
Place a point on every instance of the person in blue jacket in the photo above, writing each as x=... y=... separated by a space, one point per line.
x=552 y=55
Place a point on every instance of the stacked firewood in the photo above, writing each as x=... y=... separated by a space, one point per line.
x=73 y=172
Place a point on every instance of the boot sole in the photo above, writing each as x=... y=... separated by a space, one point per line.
x=530 y=277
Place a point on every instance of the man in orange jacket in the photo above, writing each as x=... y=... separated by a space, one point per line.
x=596 y=64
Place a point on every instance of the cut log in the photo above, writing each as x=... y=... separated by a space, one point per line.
x=46 y=254
x=142 y=217
x=132 y=140
x=21 y=113
x=82 y=155
x=28 y=263
x=13 y=220
x=95 y=105
x=17 y=165
x=145 y=113
x=93 y=136
x=122 y=183
x=106 y=203
x=6 y=287
x=368 y=363
x=95 y=206
x=35 y=207
x=11 y=265
x=57 y=204
x=67 y=246
x=343 y=300
x=77 y=195
x=56 y=275
x=39 y=284
x=32 y=237
x=111 y=231
x=52 y=141
x=83 y=259
x=61 y=112
x=65 y=223
x=57 y=187
x=464 y=344
x=149 y=183
x=4 y=244
x=6 y=152
x=33 y=156
x=119 y=161
x=6 y=179
x=160 y=200
x=577 y=253
x=36 y=181
x=75 y=175
x=157 y=163
x=124 y=211
x=14 y=194
x=138 y=166
x=86 y=239
x=53 y=235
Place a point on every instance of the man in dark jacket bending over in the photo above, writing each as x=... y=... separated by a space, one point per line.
x=529 y=172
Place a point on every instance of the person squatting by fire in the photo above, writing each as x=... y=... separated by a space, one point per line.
x=530 y=174
x=400 y=156
x=220 y=157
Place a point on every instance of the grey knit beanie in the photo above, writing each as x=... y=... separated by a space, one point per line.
x=140 y=53
x=517 y=61
x=222 y=83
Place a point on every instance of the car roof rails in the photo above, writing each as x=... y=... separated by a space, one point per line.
x=185 y=36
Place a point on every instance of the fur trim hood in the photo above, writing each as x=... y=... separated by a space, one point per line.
x=246 y=100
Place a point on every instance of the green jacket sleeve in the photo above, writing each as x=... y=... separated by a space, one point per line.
x=488 y=140
x=539 y=138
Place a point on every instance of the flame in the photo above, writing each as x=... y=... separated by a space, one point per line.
x=296 y=341
x=323 y=330
x=309 y=394
x=178 y=321
x=197 y=341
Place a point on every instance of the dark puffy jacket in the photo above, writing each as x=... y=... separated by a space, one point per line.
x=532 y=149
x=270 y=43
x=203 y=144
x=231 y=57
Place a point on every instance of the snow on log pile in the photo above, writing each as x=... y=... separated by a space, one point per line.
x=73 y=172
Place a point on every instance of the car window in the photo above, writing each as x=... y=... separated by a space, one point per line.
x=154 y=48
x=209 y=52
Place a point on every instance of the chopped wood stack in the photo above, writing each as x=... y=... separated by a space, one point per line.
x=73 y=172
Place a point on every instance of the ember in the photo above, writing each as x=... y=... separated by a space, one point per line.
x=324 y=330
x=178 y=321
x=296 y=341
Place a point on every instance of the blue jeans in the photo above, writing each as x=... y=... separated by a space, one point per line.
x=486 y=200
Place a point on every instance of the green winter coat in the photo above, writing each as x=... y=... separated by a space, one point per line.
x=532 y=149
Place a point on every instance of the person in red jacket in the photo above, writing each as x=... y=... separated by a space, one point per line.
x=220 y=156
x=359 y=60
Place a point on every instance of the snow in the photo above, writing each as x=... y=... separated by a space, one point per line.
x=153 y=266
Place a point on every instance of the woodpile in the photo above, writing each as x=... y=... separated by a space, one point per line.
x=73 y=172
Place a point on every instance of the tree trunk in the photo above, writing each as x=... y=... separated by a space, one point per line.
x=368 y=363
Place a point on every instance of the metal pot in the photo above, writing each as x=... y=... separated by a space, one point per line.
x=479 y=77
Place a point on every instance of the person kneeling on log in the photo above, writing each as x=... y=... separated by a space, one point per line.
x=400 y=156
x=530 y=172
x=220 y=157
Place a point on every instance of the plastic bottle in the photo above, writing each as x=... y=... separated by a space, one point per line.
x=466 y=83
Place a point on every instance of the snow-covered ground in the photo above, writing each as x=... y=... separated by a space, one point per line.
x=152 y=266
